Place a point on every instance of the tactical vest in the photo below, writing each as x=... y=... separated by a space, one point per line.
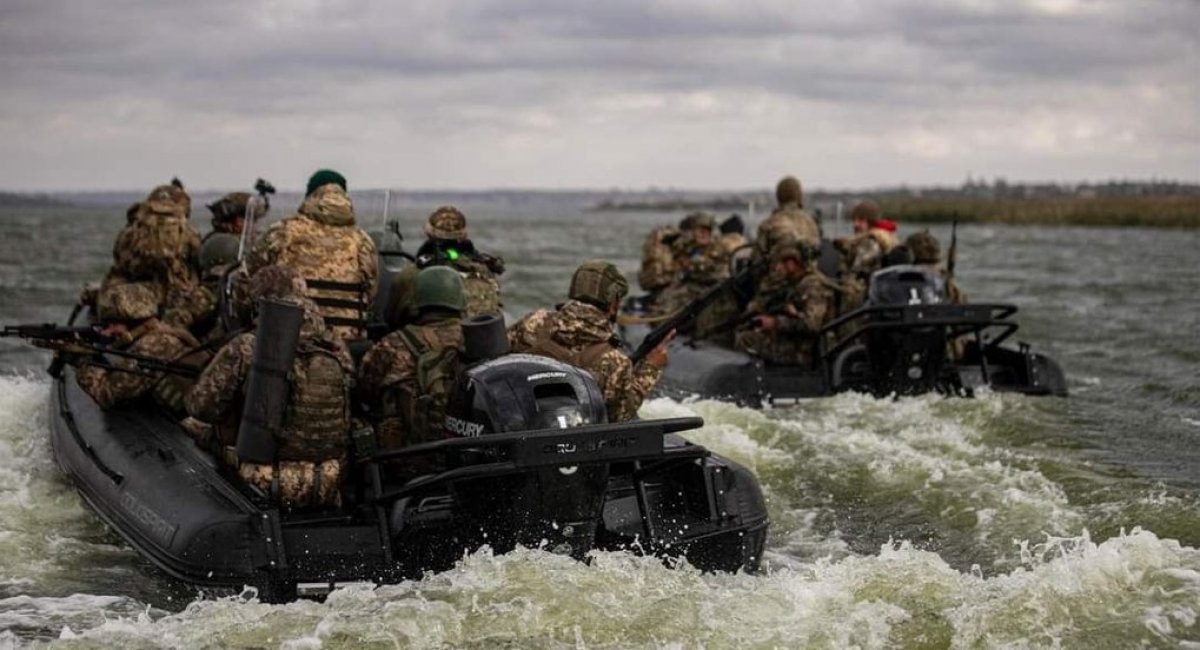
x=317 y=422
x=329 y=264
x=587 y=357
x=437 y=370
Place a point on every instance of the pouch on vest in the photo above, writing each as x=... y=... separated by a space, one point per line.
x=267 y=382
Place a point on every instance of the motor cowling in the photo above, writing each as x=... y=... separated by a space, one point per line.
x=906 y=284
x=523 y=392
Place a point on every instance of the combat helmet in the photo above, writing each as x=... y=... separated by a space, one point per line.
x=228 y=208
x=598 y=283
x=698 y=220
x=219 y=249
x=168 y=199
x=924 y=247
x=439 y=286
x=446 y=222
x=133 y=301
x=788 y=190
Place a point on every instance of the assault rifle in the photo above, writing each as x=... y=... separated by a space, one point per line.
x=90 y=346
x=685 y=316
x=952 y=253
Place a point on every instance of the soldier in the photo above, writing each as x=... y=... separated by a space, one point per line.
x=448 y=244
x=702 y=263
x=658 y=261
x=313 y=441
x=927 y=254
x=580 y=332
x=407 y=377
x=862 y=253
x=322 y=243
x=733 y=233
x=160 y=245
x=788 y=221
x=129 y=313
x=788 y=319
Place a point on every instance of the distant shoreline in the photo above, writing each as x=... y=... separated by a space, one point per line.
x=1181 y=212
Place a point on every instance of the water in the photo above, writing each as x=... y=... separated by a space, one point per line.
x=1003 y=521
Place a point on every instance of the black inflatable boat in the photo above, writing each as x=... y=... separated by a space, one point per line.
x=530 y=472
x=905 y=340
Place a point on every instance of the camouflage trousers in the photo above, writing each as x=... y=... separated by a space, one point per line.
x=300 y=483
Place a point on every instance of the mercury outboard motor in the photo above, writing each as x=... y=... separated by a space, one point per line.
x=558 y=507
x=267 y=383
x=906 y=360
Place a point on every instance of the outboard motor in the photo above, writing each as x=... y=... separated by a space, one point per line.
x=559 y=507
x=906 y=360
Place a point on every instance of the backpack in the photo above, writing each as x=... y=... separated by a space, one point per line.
x=437 y=372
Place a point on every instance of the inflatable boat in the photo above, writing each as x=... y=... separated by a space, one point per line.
x=905 y=340
x=533 y=473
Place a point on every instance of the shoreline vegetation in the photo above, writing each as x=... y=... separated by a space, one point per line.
x=1114 y=204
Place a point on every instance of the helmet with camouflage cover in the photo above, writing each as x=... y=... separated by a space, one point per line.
x=229 y=207
x=698 y=220
x=790 y=248
x=218 y=249
x=598 y=283
x=168 y=199
x=446 y=222
x=133 y=301
x=924 y=247
x=788 y=190
x=439 y=286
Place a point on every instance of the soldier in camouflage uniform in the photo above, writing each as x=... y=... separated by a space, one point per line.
x=787 y=320
x=322 y=243
x=788 y=221
x=160 y=245
x=580 y=332
x=449 y=245
x=406 y=378
x=864 y=251
x=658 y=261
x=733 y=233
x=129 y=313
x=702 y=262
x=312 y=444
x=927 y=254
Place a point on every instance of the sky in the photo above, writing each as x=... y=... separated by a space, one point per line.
x=702 y=94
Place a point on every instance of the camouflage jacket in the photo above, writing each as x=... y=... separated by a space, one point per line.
x=388 y=381
x=152 y=339
x=658 y=262
x=732 y=241
x=788 y=221
x=864 y=252
x=582 y=335
x=321 y=242
x=480 y=284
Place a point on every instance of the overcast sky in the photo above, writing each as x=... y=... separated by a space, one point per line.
x=596 y=93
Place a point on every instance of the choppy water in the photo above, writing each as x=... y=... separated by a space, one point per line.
x=1002 y=521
